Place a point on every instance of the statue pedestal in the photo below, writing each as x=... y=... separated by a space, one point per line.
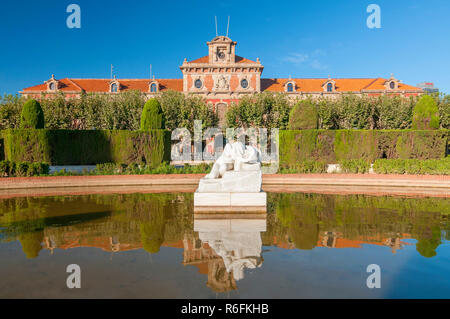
x=230 y=199
x=236 y=188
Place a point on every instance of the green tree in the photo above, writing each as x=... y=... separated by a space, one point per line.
x=265 y=109
x=181 y=111
x=425 y=114
x=152 y=232
x=32 y=115
x=152 y=115
x=303 y=116
x=31 y=243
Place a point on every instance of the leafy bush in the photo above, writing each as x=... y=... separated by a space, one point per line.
x=4 y=168
x=32 y=115
x=136 y=169
x=425 y=114
x=38 y=168
x=265 y=109
x=303 y=116
x=181 y=111
x=152 y=116
x=413 y=166
x=359 y=166
x=305 y=167
x=11 y=169
x=22 y=169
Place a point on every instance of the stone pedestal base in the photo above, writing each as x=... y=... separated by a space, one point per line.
x=230 y=199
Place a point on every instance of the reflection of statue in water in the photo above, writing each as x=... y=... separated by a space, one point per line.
x=236 y=241
x=238 y=250
x=233 y=156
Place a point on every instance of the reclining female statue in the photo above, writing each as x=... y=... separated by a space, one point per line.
x=233 y=156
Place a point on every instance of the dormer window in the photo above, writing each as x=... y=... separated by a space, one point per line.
x=290 y=87
x=330 y=87
x=114 y=85
x=52 y=84
x=154 y=87
x=391 y=83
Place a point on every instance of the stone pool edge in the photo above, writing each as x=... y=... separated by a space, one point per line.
x=390 y=180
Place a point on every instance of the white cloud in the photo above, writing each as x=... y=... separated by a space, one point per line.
x=296 y=58
x=305 y=59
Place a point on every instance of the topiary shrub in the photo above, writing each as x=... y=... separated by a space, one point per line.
x=303 y=116
x=152 y=117
x=425 y=114
x=32 y=115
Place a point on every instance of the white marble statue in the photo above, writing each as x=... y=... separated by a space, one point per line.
x=232 y=158
x=235 y=179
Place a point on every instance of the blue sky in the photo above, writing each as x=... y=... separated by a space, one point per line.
x=304 y=39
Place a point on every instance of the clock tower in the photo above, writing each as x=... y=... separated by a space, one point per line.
x=222 y=50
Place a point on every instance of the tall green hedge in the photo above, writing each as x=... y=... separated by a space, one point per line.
x=77 y=147
x=152 y=117
x=303 y=116
x=425 y=114
x=32 y=115
x=333 y=146
x=83 y=147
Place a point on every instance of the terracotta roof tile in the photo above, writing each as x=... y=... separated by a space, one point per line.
x=102 y=85
x=342 y=85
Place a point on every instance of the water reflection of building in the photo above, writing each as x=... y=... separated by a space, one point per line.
x=225 y=248
x=337 y=240
x=202 y=256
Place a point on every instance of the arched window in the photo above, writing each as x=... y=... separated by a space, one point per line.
x=114 y=87
x=52 y=86
x=153 y=88
x=244 y=83
x=330 y=87
x=392 y=85
x=290 y=87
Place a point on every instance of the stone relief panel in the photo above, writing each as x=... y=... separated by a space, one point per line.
x=221 y=82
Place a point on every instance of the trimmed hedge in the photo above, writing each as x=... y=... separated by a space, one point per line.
x=84 y=147
x=32 y=116
x=305 y=167
x=152 y=116
x=413 y=166
x=359 y=166
x=334 y=146
x=77 y=147
x=12 y=169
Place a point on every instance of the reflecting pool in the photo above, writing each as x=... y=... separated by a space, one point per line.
x=154 y=246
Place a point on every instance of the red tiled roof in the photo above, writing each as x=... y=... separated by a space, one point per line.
x=342 y=85
x=102 y=85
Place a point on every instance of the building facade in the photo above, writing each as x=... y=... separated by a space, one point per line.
x=428 y=87
x=222 y=77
